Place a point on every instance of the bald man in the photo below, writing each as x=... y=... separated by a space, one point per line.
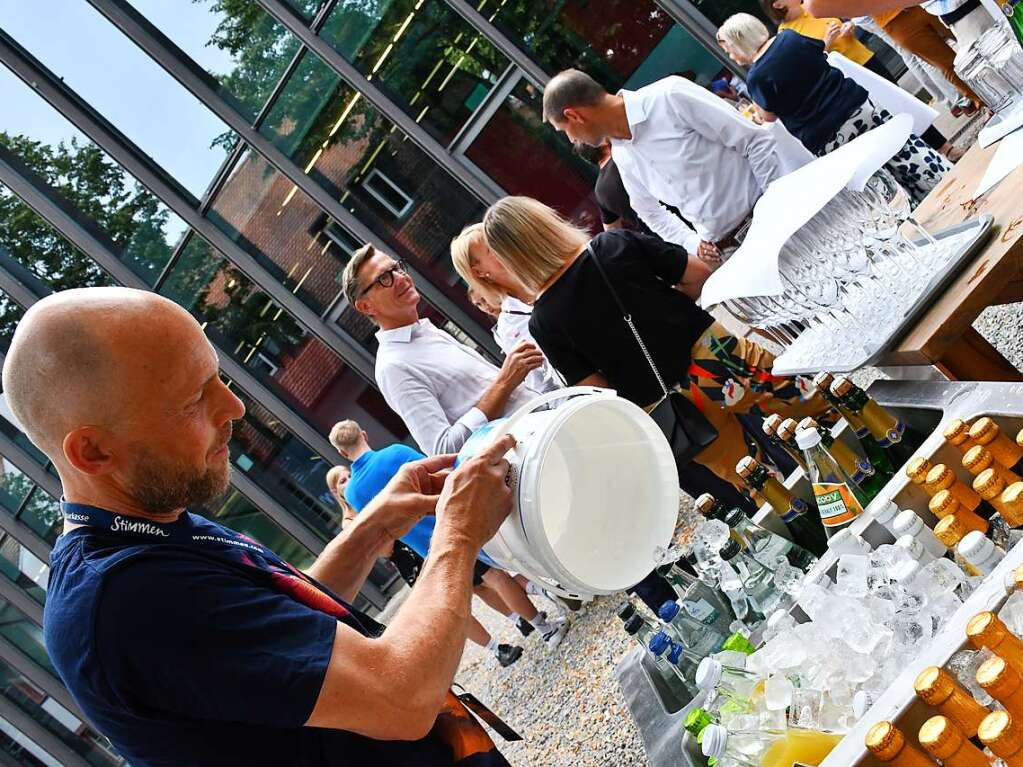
x=187 y=643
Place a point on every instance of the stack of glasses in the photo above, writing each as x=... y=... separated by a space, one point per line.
x=993 y=67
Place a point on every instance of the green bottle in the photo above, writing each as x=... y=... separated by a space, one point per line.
x=855 y=465
x=1013 y=10
x=838 y=497
x=897 y=439
x=877 y=457
x=806 y=527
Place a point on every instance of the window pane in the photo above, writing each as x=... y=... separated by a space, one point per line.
x=140 y=229
x=17 y=436
x=14 y=486
x=10 y=316
x=543 y=165
x=245 y=49
x=24 y=634
x=236 y=512
x=719 y=10
x=423 y=55
x=24 y=569
x=42 y=514
x=340 y=139
x=266 y=340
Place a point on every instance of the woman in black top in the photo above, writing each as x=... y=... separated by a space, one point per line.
x=790 y=79
x=577 y=323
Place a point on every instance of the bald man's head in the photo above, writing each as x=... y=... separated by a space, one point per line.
x=106 y=381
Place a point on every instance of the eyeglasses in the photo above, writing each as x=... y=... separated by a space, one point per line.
x=386 y=278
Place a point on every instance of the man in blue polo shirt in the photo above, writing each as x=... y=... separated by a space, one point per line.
x=371 y=471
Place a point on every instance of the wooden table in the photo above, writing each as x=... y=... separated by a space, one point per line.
x=944 y=336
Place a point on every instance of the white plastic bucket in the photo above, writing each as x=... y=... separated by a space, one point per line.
x=595 y=492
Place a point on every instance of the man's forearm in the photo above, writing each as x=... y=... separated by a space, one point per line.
x=848 y=8
x=345 y=562
x=495 y=399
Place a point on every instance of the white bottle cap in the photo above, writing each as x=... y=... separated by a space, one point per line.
x=912 y=545
x=714 y=739
x=708 y=674
x=885 y=514
x=807 y=438
x=862 y=700
x=845 y=541
x=907 y=523
x=975 y=547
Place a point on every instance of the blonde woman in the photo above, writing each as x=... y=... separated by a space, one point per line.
x=337 y=478
x=579 y=327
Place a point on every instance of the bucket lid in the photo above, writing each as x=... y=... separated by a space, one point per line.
x=708 y=673
x=807 y=438
x=715 y=738
x=668 y=610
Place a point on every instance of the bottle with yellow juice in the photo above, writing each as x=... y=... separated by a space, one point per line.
x=785 y=748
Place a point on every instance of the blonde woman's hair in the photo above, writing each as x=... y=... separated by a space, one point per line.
x=531 y=239
x=744 y=34
x=461 y=257
x=333 y=475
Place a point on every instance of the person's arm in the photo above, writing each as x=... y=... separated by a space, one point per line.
x=522 y=360
x=847 y=8
x=393 y=687
x=594 y=379
x=767 y=117
x=697 y=272
x=668 y=227
x=706 y=115
x=610 y=226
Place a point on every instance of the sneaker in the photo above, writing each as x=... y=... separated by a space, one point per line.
x=524 y=626
x=507 y=654
x=565 y=603
x=553 y=636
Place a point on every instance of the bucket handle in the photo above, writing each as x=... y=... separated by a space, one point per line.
x=545 y=399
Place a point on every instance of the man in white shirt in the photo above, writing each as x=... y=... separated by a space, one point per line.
x=442 y=389
x=674 y=142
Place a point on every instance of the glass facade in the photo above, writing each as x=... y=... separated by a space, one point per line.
x=453 y=124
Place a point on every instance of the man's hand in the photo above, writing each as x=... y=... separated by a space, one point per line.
x=476 y=497
x=522 y=360
x=708 y=252
x=410 y=495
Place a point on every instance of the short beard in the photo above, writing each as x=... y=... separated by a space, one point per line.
x=160 y=487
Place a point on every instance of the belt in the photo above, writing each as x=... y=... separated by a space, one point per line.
x=961 y=12
x=735 y=238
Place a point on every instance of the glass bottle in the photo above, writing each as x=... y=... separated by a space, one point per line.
x=836 y=494
x=1013 y=11
x=806 y=528
x=875 y=454
x=770 y=427
x=1012 y=504
x=696 y=722
x=943 y=739
x=909 y=523
x=697 y=636
x=988 y=630
x=987 y=433
x=892 y=434
x=979 y=459
x=1003 y=683
x=757 y=580
x=698 y=598
x=1002 y=733
x=989 y=485
x=682 y=688
x=643 y=633
x=855 y=465
x=710 y=507
x=887 y=743
x=917 y=469
x=765 y=546
x=734 y=683
x=980 y=551
x=939 y=689
x=762 y=748
x=941 y=477
x=957 y=434
x=944 y=504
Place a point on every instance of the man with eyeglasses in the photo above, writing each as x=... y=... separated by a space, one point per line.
x=442 y=389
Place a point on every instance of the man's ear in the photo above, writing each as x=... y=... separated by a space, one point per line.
x=574 y=115
x=365 y=306
x=87 y=449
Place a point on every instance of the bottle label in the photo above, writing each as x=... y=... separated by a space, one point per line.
x=702 y=611
x=863 y=471
x=836 y=503
x=893 y=435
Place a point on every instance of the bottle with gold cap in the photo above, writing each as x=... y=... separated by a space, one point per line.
x=944 y=504
x=1011 y=501
x=989 y=485
x=979 y=459
x=988 y=630
x=887 y=743
x=941 y=477
x=1003 y=734
x=939 y=689
x=1003 y=683
x=770 y=427
x=804 y=524
x=957 y=434
x=986 y=432
x=877 y=457
x=855 y=465
x=892 y=434
x=764 y=546
x=943 y=739
x=953 y=527
x=917 y=469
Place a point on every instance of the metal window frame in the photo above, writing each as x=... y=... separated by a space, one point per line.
x=692 y=20
x=37 y=733
x=143 y=169
x=86 y=237
x=196 y=81
x=376 y=173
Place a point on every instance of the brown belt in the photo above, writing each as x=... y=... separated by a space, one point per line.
x=735 y=239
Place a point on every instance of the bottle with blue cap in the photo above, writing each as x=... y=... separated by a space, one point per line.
x=668 y=656
x=702 y=601
x=698 y=637
x=646 y=637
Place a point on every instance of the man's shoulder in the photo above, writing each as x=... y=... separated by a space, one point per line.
x=399 y=451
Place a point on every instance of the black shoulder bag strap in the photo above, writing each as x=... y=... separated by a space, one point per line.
x=687 y=430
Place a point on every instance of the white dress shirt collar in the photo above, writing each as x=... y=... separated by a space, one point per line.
x=400 y=335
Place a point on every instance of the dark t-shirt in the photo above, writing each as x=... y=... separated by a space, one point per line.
x=579 y=327
x=794 y=80
x=212 y=651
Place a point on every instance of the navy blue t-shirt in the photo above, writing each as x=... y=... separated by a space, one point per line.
x=811 y=98
x=214 y=654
